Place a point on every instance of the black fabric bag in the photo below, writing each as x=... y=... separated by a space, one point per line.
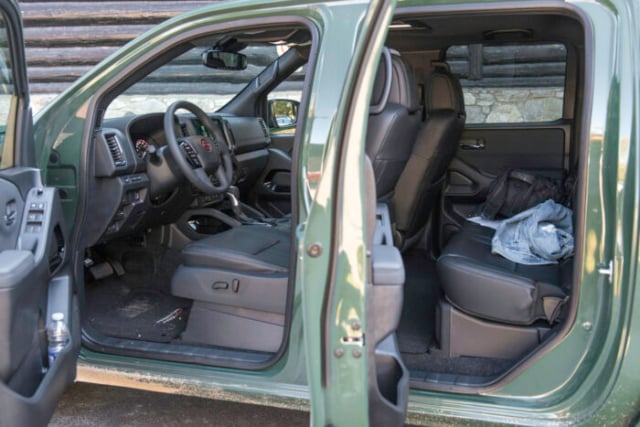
x=515 y=191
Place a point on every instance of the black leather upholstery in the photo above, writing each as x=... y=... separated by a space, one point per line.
x=444 y=92
x=249 y=248
x=492 y=287
x=393 y=122
x=404 y=89
x=420 y=183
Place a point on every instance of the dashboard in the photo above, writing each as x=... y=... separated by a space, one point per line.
x=137 y=184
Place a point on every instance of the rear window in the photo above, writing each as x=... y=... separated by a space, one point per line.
x=512 y=83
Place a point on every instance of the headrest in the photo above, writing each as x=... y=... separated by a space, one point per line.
x=382 y=84
x=443 y=91
x=401 y=88
x=404 y=89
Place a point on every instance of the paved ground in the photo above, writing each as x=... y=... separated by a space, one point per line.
x=92 y=405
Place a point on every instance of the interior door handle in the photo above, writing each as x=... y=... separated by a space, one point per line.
x=473 y=144
x=11 y=213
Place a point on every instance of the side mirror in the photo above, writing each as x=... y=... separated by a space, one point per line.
x=220 y=60
x=283 y=113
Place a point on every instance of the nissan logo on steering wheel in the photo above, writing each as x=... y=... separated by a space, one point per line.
x=205 y=144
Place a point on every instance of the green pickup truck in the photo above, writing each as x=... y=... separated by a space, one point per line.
x=269 y=202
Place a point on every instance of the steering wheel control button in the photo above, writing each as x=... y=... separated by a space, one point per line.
x=192 y=156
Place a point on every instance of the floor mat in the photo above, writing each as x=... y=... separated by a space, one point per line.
x=417 y=329
x=151 y=264
x=417 y=322
x=421 y=365
x=145 y=314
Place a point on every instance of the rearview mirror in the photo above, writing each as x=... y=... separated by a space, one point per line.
x=220 y=60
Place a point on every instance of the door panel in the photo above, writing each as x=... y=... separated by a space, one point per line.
x=35 y=277
x=272 y=193
x=388 y=376
x=484 y=152
x=493 y=150
x=283 y=141
x=33 y=285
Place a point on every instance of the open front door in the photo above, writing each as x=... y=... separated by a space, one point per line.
x=359 y=377
x=35 y=275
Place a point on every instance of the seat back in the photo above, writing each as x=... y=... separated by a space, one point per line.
x=394 y=119
x=421 y=181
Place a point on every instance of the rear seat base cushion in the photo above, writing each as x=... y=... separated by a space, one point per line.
x=492 y=287
x=462 y=335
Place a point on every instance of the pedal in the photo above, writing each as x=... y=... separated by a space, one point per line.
x=117 y=267
x=101 y=271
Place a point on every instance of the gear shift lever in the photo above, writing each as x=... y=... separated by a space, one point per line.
x=233 y=193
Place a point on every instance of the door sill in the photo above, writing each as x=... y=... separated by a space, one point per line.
x=173 y=352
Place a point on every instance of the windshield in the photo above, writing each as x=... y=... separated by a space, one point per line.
x=185 y=77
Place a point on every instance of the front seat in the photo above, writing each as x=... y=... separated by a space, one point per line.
x=421 y=181
x=394 y=119
x=238 y=279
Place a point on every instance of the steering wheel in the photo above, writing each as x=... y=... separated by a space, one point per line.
x=199 y=156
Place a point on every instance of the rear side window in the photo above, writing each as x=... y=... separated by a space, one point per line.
x=514 y=83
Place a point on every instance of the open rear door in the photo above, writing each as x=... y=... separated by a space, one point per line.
x=359 y=378
x=35 y=275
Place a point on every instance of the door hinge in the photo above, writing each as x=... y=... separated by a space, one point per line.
x=607 y=271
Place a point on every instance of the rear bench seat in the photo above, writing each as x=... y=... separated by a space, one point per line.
x=493 y=307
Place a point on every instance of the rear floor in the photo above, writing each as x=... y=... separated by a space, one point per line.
x=416 y=332
x=417 y=323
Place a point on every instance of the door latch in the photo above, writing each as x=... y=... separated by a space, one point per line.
x=353 y=340
x=607 y=271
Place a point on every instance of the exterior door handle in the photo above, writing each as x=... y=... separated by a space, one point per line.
x=473 y=144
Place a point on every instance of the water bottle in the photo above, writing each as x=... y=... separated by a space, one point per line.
x=58 y=336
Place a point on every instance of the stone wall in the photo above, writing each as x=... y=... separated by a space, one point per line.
x=513 y=105
x=125 y=105
x=483 y=105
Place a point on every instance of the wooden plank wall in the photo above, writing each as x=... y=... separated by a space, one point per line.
x=64 y=39
x=509 y=66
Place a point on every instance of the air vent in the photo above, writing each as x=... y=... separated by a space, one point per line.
x=264 y=128
x=229 y=135
x=115 y=150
